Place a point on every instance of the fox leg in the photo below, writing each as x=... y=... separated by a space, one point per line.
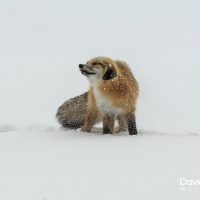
x=122 y=123
x=108 y=124
x=89 y=122
x=130 y=118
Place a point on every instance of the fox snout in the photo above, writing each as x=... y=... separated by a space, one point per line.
x=86 y=70
x=81 y=66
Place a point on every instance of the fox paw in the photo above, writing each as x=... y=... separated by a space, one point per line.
x=83 y=129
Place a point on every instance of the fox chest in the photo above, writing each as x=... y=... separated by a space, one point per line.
x=105 y=104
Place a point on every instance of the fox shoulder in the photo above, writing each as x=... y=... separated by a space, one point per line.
x=127 y=73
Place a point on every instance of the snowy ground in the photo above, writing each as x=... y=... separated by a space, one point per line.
x=41 y=44
x=47 y=163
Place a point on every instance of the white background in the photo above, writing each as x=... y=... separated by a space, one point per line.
x=42 y=43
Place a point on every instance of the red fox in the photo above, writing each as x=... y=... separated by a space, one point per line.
x=113 y=92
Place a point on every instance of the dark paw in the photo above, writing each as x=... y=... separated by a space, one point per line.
x=107 y=131
x=133 y=132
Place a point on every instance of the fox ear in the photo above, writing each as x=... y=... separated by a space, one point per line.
x=110 y=74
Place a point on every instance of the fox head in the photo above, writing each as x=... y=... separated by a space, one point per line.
x=99 y=68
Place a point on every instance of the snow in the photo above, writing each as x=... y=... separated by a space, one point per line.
x=55 y=164
x=42 y=43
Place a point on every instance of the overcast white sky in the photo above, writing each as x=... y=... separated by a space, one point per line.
x=42 y=43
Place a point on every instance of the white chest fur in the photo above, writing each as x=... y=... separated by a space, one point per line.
x=105 y=104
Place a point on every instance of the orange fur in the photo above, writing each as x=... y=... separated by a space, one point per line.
x=122 y=91
x=108 y=98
